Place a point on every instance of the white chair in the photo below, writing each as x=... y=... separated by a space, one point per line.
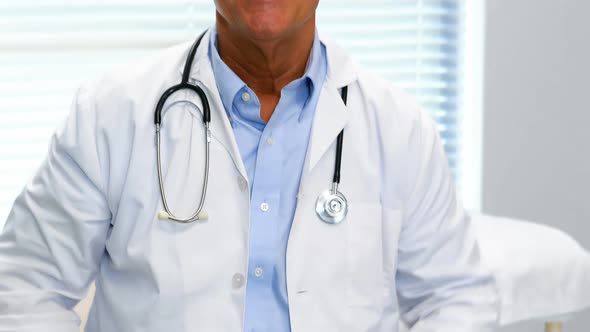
x=542 y=273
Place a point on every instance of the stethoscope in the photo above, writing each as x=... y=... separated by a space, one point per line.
x=331 y=205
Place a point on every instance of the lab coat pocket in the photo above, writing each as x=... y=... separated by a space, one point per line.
x=366 y=280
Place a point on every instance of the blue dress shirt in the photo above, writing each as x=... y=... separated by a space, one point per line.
x=273 y=154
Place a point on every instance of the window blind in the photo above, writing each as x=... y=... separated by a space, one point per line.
x=48 y=47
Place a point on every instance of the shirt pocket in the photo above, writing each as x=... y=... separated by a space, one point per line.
x=366 y=280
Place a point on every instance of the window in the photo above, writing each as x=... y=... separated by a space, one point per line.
x=47 y=47
x=419 y=45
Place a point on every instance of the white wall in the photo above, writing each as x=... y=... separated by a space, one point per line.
x=536 y=140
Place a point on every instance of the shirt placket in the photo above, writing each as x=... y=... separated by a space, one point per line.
x=265 y=201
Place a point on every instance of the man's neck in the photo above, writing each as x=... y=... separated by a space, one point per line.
x=266 y=66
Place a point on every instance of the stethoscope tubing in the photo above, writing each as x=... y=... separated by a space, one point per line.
x=339 y=144
x=184 y=85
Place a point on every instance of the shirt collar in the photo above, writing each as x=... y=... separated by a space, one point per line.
x=315 y=70
x=229 y=84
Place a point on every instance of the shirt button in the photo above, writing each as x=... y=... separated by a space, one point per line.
x=264 y=207
x=258 y=272
x=246 y=96
x=270 y=140
x=238 y=280
x=242 y=183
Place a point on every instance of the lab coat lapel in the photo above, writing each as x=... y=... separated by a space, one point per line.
x=330 y=118
x=221 y=129
x=331 y=114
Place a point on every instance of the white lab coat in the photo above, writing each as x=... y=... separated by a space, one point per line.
x=91 y=212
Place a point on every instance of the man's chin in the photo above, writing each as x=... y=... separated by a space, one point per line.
x=266 y=32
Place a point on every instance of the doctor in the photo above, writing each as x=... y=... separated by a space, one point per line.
x=262 y=257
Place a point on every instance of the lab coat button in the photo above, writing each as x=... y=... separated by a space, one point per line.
x=238 y=280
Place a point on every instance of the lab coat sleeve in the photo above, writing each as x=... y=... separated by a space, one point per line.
x=441 y=284
x=55 y=234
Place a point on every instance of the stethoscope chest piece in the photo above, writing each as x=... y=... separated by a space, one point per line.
x=331 y=206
